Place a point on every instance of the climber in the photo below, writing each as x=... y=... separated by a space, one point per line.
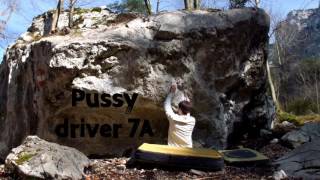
x=181 y=124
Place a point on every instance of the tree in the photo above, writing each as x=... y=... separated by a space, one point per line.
x=295 y=80
x=286 y=38
x=71 y=10
x=196 y=4
x=191 y=4
x=56 y=15
x=131 y=6
x=9 y=6
x=148 y=6
x=279 y=55
x=237 y=3
x=257 y=3
x=271 y=85
x=158 y=4
x=307 y=77
x=187 y=4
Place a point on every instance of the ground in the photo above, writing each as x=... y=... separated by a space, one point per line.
x=116 y=168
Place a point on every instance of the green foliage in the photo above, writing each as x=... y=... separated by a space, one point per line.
x=96 y=9
x=81 y=10
x=310 y=118
x=23 y=157
x=299 y=86
x=302 y=106
x=310 y=66
x=129 y=6
x=237 y=3
x=297 y=120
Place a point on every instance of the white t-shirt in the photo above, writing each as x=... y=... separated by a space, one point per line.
x=180 y=126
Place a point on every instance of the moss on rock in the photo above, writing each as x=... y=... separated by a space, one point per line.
x=81 y=10
x=297 y=120
x=23 y=157
x=284 y=116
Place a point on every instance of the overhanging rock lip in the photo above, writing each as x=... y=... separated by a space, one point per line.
x=205 y=19
x=174 y=23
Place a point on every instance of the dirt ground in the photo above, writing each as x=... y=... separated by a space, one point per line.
x=117 y=169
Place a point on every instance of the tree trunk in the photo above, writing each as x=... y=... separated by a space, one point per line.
x=196 y=4
x=71 y=10
x=278 y=52
x=148 y=6
x=158 y=4
x=187 y=4
x=273 y=92
x=257 y=2
x=54 y=21
x=6 y=13
x=56 y=15
x=61 y=6
x=317 y=92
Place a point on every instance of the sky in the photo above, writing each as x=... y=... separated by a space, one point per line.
x=27 y=9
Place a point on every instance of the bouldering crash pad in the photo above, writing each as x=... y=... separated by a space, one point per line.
x=178 y=157
x=244 y=156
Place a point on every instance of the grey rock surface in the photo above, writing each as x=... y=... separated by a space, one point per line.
x=308 y=132
x=303 y=26
x=218 y=56
x=37 y=158
x=303 y=162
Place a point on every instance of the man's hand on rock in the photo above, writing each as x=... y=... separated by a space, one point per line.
x=173 y=88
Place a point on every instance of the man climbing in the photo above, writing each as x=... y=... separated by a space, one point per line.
x=181 y=124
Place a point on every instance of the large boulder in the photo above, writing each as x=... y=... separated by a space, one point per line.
x=303 y=162
x=37 y=158
x=219 y=58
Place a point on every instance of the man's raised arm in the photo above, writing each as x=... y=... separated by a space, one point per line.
x=167 y=104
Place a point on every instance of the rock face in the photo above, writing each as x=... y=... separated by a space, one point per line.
x=306 y=133
x=219 y=58
x=303 y=162
x=302 y=26
x=37 y=158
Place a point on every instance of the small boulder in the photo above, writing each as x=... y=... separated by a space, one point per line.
x=274 y=141
x=287 y=124
x=308 y=132
x=37 y=158
x=279 y=175
x=295 y=138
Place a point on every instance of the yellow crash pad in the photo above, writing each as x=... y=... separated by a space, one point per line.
x=178 y=157
x=180 y=151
